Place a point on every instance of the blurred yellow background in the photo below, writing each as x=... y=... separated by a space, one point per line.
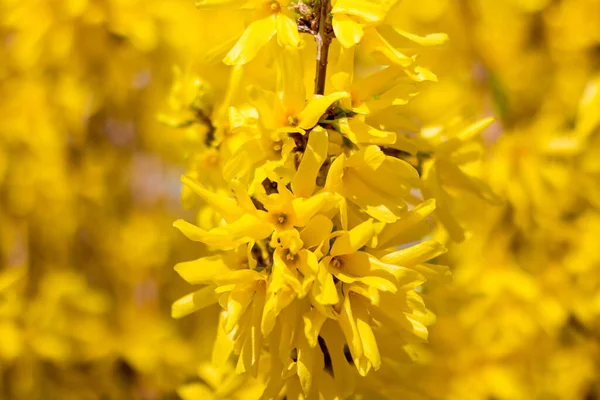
x=90 y=91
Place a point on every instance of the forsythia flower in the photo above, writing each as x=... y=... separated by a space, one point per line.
x=314 y=268
x=381 y=199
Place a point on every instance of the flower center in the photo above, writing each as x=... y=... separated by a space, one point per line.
x=292 y=121
x=290 y=256
x=337 y=263
x=275 y=7
x=281 y=219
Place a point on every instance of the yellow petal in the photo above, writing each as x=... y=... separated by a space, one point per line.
x=370 y=349
x=194 y=301
x=254 y=38
x=304 y=181
x=324 y=290
x=313 y=321
x=191 y=231
x=225 y=206
x=368 y=10
x=305 y=209
x=348 y=325
x=359 y=132
x=236 y=306
x=432 y=39
x=353 y=240
x=202 y=270
x=316 y=107
x=223 y=346
x=451 y=175
x=287 y=31
x=374 y=42
x=416 y=254
x=347 y=31
x=408 y=220
x=316 y=231
x=307 y=364
x=334 y=181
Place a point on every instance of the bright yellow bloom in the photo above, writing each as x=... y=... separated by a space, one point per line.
x=271 y=17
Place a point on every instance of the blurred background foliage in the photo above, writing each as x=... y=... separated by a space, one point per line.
x=89 y=187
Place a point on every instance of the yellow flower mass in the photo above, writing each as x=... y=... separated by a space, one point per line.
x=361 y=199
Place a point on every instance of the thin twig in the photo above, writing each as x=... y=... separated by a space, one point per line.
x=323 y=39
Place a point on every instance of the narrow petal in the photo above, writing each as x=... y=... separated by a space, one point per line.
x=324 y=290
x=287 y=31
x=223 y=346
x=408 y=220
x=348 y=324
x=432 y=39
x=194 y=301
x=313 y=321
x=225 y=206
x=307 y=364
x=367 y=337
x=373 y=41
x=254 y=38
x=314 y=110
x=356 y=238
x=307 y=208
x=359 y=132
x=316 y=231
x=347 y=31
x=236 y=306
x=416 y=254
x=304 y=181
x=368 y=10
x=202 y=270
x=191 y=231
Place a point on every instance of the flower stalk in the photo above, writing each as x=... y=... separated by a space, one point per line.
x=323 y=38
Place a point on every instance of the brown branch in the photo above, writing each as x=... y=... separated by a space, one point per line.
x=323 y=39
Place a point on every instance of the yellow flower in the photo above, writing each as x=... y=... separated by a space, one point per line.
x=271 y=18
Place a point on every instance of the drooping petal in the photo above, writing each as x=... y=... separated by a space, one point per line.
x=432 y=39
x=248 y=227
x=387 y=237
x=236 y=306
x=254 y=38
x=368 y=10
x=287 y=31
x=304 y=181
x=305 y=209
x=347 y=31
x=316 y=231
x=416 y=254
x=363 y=325
x=314 y=110
x=348 y=324
x=359 y=132
x=313 y=321
x=223 y=346
x=225 y=206
x=373 y=41
x=353 y=240
x=194 y=301
x=324 y=290
x=307 y=363
x=202 y=270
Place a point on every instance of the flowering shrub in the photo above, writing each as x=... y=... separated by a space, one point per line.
x=380 y=199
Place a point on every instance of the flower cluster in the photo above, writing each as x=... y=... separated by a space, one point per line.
x=318 y=195
x=385 y=199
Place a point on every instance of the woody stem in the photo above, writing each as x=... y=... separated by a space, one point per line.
x=323 y=39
